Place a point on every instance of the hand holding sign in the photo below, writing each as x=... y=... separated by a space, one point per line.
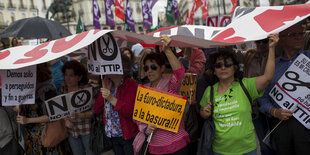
x=273 y=40
x=280 y=113
x=165 y=40
x=21 y=119
x=150 y=129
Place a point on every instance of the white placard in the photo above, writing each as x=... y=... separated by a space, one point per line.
x=292 y=91
x=104 y=56
x=70 y=103
x=18 y=86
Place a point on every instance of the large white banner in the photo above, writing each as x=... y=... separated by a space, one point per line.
x=248 y=25
x=292 y=91
x=18 y=86
x=104 y=56
x=70 y=103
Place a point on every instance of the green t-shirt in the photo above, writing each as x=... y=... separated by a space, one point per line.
x=234 y=129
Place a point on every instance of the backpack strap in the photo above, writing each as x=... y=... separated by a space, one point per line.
x=211 y=100
x=245 y=91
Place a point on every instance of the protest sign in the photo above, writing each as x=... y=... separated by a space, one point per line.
x=18 y=86
x=292 y=91
x=247 y=25
x=188 y=87
x=218 y=21
x=104 y=56
x=70 y=103
x=159 y=108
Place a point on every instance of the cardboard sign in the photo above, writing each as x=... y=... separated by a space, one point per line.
x=19 y=86
x=292 y=91
x=188 y=87
x=104 y=56
x=159 y=108
x=70 y=103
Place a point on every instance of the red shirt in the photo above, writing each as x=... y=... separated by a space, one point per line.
x=126 y=94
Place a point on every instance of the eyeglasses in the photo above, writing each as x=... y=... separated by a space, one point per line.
x=220 y=64
x=152 y=66
x=292 y=34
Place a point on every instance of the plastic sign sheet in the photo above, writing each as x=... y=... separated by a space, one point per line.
x=104 y=56
x=70 y=103
x=159 y=108
x=292 y=91
x=18 y=86
x=188 y=87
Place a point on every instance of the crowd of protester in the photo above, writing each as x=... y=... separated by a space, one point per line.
x=226 y=75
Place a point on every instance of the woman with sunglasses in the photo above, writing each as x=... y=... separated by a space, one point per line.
x=234 y=130
x=163 y=141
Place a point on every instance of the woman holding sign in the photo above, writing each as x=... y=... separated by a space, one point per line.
x=163 y=141
x=116 y=104
x=234 y=130
x=75 y=76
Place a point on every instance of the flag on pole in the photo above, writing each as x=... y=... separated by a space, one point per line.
x=108 y=13
x=169 y=15
x=187 y=20
x=96 y=15
x=196 y=5
x=234 y=4
x=205 y=9
x=176 y=10
x=129 y=22
x=119 y=9
x=151 y=3
x=79 y=26
x=147 y=15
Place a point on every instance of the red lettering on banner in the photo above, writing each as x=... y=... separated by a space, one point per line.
x=4 y=54
x=61 y=45
x=227 y=33
x=267 y=21
x=34 y=54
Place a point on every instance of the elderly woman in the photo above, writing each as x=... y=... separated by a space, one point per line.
x=163 y=141
x=234 y=130
x=75 y=75
x=116 y=104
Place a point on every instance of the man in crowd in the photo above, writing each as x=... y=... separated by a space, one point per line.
x=290 y=137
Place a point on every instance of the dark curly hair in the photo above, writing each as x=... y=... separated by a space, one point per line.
x=159 y=58
x=78 y=69
x=224 y=54
x=126 y=64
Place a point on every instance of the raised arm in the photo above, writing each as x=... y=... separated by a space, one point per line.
x=264 y=80
x=173 y=60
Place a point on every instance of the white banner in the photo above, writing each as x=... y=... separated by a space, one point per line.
x=18 y=86
x=248 y=25
x=70 y=103
x=292 y=91
x=104 y=56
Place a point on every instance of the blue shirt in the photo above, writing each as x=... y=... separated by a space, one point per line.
x=57 y=75
x=282 y=64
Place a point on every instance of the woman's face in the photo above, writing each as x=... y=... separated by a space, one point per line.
x=127 y=53
x=153 y=71
x=71 y=79
x=224 y=69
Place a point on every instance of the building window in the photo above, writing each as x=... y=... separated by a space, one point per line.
x=44 y=4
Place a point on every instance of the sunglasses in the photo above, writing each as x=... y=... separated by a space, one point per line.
x=220 y=64
x=152 y=66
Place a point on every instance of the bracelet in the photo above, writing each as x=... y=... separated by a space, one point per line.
x=274 y=112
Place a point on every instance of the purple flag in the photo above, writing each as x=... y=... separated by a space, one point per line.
x=129 y=19
x=176 y=10
x=96 y=15
x=151 y=3
x=108 y=13
x=147 y=15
